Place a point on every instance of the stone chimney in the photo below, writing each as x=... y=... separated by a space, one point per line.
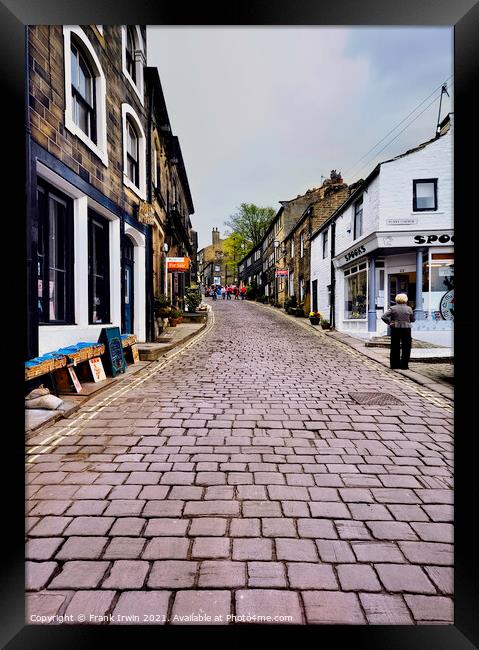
x=215 y=236
x=334 y=179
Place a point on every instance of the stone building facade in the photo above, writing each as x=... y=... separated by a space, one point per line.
x=318 y=204
x=169 y=197
x=212 y=268
x=90 y=220
x=87 y=247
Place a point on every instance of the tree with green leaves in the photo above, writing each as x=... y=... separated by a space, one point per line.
x=250 y=222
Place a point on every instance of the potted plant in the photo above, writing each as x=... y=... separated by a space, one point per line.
x=314 y=317
x=192 y=298
x=175 y=317
x=290 y=305
x=325 y=324
x=300 y=310
x=162 y=311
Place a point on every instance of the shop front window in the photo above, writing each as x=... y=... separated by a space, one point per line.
x=355 y=286
x=55 y=256
x=98 y=271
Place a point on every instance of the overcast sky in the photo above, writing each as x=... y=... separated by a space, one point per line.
x=263 y=113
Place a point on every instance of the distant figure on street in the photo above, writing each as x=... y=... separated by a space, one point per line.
x=243 y=292
x=213 y=291
x=236 y=292
x=228 y=292
x=223 y=292
x=399 y=318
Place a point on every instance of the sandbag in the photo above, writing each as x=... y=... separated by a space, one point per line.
x=37 y=392
x=40 y=398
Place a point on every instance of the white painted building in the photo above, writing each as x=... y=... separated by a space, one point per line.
x=393 y=235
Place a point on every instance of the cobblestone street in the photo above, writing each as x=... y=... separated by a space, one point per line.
x=241 y=478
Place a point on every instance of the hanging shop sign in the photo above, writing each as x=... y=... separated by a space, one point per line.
x=146 y=214
x=177 y=264
x=281 y=273
x=446 y=305
x=115 y=358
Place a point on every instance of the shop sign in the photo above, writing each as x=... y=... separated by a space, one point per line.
x=356 y=252
x=111 y=337
x=433 y=239
x=74 y=378
x=97 y=371
x=177 y=264
x=146 y=213
x=446 y=305
x=281 y=273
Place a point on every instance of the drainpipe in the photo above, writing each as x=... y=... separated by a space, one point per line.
x=149 y=306
x=419 y=312
x=372 y=294
x=332 y=308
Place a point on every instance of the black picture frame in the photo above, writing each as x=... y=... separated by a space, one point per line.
x=464 y=16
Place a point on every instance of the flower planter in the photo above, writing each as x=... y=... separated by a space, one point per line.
x=325 y=326
x=314 y=321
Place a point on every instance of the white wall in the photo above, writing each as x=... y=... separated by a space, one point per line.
x=396 y=187
x=321 y=271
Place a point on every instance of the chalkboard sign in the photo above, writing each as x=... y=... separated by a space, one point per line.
x=115 y=360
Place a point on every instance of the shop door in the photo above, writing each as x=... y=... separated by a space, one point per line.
x=128 y=292
x=402 y=283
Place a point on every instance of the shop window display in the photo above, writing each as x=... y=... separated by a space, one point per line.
x=356 y=295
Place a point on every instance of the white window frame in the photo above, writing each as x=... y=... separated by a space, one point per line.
x=129 y=111
x=100 y=148
x=292 y=246
x=138 y=87
x=301 y=245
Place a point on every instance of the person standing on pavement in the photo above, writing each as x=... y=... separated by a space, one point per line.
x=223 y=292
x=214 y=293
x=243 y=292
x=399 y=318
x=236 y=292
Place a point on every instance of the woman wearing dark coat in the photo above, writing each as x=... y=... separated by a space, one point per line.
x=399 y=317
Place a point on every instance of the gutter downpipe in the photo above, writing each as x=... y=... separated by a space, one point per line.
x=332 y=309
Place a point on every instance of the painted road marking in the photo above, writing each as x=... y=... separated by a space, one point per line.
x=92 y=410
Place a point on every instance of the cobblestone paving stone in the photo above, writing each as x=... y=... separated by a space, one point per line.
x=241 y=479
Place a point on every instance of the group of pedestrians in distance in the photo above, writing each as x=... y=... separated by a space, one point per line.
x=227 y=292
